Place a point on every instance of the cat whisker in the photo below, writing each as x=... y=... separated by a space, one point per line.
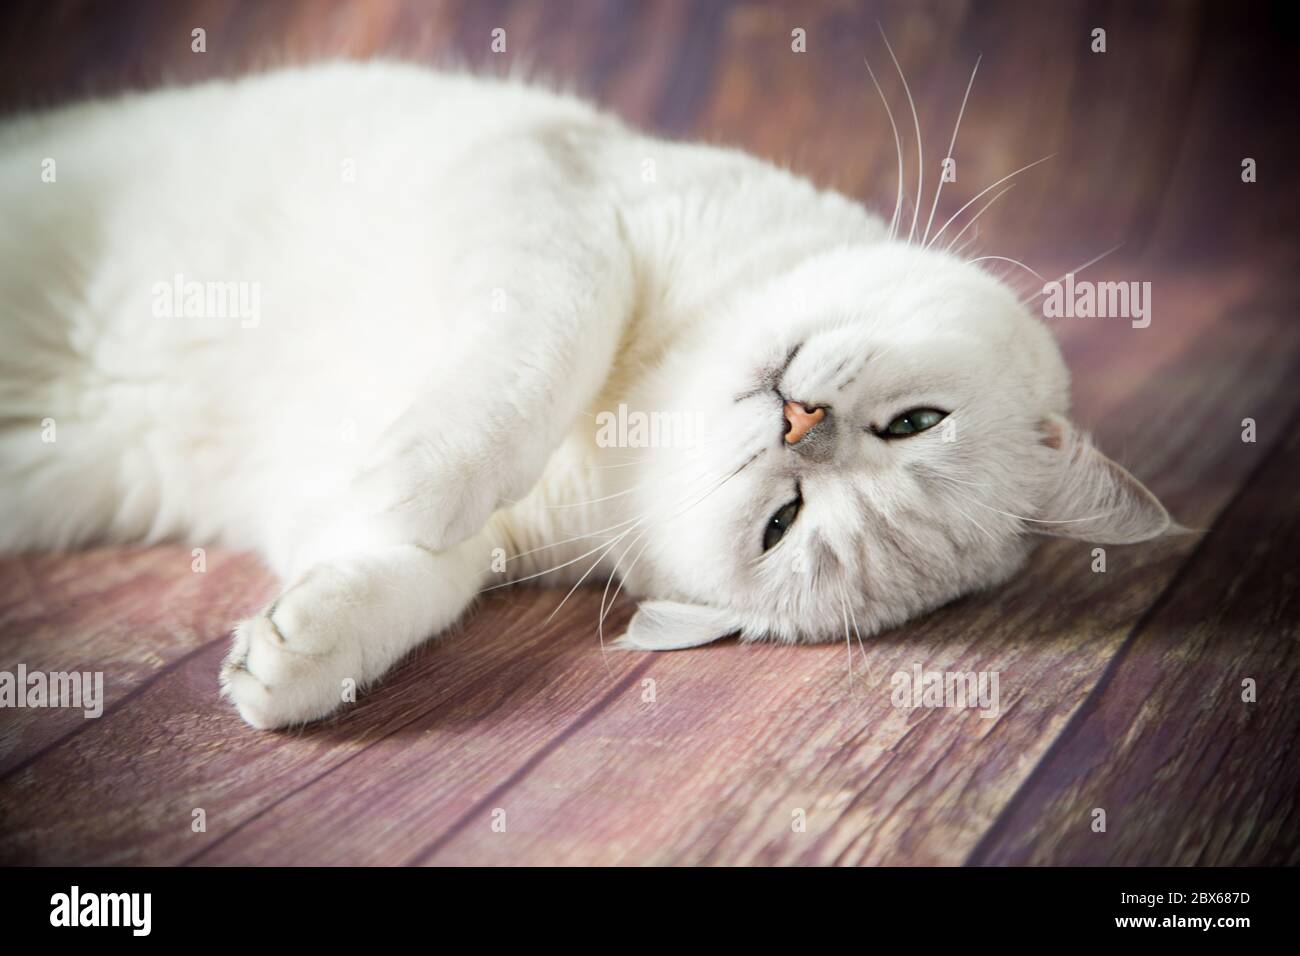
x=556 y=544
x=594 y=501
x=603 y=549
x=635 y=522
x=898 y=148
x=590 y=501
x=1008 y=514
x=987 y=533
x=920 y=156
x=1075 y=271
x=623 y=464
x=1015 y=262
x=974 y=236
x=692 y=447
x=877 y=356
x=977 y=215
x=982 y=192
x=931 y=473
x=848 y=644
x=595 y=564
x=557 y=567
x=858 y=633
x=627 y=461
x=951 y=145
x=605 y=609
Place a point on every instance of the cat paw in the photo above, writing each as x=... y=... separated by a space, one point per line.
x=286 y=667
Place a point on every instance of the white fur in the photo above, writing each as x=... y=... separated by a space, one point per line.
x=436 y=337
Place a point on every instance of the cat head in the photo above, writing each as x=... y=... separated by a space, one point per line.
x=872 y=434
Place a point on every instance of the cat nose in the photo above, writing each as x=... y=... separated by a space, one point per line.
x=800 y=420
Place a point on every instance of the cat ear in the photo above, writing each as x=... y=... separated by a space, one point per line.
x=1093 y=498
x=671 y=625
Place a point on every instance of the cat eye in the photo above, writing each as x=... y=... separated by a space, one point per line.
x=780 y=523
x=912 y=422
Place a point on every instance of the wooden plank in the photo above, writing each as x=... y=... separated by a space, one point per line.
x=123 y=790
x=131 y=614
x=1187 y=772
x=448 y=769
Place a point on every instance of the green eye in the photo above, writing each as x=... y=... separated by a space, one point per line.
x=913 y=421
x=779 y=523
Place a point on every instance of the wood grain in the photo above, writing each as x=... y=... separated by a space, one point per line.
x=123 y=789
x=1188 y=772
x=132 y=614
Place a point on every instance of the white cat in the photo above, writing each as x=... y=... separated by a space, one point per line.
x=372 y=320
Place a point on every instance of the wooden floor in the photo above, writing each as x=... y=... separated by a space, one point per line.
x=1121 y=691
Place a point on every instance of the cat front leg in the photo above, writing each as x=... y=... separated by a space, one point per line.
x=342 y=625
x=520 y=347
x=534 y=337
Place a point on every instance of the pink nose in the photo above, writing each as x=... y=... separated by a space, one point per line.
x=800 y=420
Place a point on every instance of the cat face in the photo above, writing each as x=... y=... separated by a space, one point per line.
x=876 y=432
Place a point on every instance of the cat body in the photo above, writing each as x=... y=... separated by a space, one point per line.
x=371 y=321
